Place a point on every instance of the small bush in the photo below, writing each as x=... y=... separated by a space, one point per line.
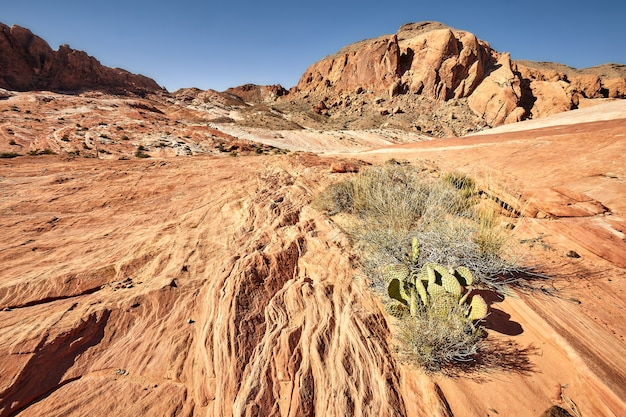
x=37 y=152
x=389 y=206
x=9 y=155
x=140 y=153
x=435 y=343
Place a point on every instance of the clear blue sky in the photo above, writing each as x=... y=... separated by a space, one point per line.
x=221 y=44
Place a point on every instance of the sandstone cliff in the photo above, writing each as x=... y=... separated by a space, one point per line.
x=427 y=64
x=28 y=63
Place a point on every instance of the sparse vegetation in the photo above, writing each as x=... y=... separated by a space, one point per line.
x=418 y=235
x=37 y=152
x=9 y=155
x=140 y=152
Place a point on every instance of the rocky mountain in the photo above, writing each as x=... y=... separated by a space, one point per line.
x=430 y=68
x=28 y=63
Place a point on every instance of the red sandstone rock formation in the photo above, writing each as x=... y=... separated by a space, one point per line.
x=252 y=93
x=28 y=63
x=440 y=63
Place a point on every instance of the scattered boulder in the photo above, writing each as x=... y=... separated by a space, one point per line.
x=252 y=93
x=343 y=167
x=556 y=411
x=4 y=94
x=321 y=108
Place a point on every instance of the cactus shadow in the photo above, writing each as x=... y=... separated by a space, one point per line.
x=498 y=320
x=501 y=322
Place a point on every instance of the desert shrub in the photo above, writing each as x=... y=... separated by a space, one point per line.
x=393 y=203
x=139 y=153
x=9 y=155
x=388 y=196
x=37 y=152
x=436 y=343
x=391 y=206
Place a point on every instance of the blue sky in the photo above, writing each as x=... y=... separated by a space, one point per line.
x=221 y=44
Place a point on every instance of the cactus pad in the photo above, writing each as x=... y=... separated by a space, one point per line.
x=464 y=275
x=396 y=271
x=451 y=284
x=415 y=250
x=478 y=308
x=396 y=291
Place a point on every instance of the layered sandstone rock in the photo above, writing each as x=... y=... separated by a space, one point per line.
x=28 y=63
x=437 y=63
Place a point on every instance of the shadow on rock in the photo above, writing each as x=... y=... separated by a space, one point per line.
x=498 y=320
x=501 y=322
x=504 y=356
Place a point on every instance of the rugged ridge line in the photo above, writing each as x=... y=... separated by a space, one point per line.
x=435 y=62
x=28 y=63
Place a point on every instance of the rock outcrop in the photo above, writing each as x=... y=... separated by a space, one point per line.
x=252 y=93
x=28 y=63
x=440 y=64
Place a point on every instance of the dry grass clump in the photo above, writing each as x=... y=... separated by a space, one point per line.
x=388 y=195
x=390 y=205
x=435 y=343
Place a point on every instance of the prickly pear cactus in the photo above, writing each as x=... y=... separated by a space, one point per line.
x=478 y=308
x=433 y=288
x=415 y=250
x=464 y=276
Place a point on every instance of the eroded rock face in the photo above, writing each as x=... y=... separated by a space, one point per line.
x=437 y=63
x=28 y=63
x=253 y=93
x=498 y=95
x=372 y=63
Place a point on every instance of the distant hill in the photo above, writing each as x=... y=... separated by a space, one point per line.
x=28 y=63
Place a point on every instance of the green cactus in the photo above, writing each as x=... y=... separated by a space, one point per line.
x=451 y=284
x=397 y=271
x=415 y=250
x=433 y=287
x=464 y=275
x=478 y=308
x=421 y=290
